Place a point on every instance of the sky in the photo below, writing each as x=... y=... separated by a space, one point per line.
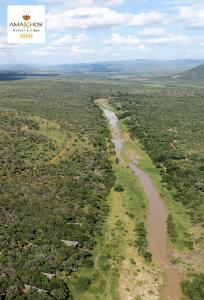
x=103 y=30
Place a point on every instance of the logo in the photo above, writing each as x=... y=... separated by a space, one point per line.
x=26 y=17
x=26 y=24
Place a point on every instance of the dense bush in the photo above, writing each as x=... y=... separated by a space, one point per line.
x=141 y=242
x=118 y=188
x=168 y=122
x=171 y=228
x=194 y=289
x=42 y=201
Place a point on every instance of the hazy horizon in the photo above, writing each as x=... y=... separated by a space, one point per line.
x=105 y=62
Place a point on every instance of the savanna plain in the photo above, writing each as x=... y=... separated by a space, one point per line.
x=73 y=213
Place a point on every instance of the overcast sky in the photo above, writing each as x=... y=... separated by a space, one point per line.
x=96 y=30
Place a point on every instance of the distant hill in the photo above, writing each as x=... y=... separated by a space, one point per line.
x=127 y=67
x=139 y=69
x=196 y=73
x=133 y=67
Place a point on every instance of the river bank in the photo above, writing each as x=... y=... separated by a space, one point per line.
x=157 y=212
x=119 y=272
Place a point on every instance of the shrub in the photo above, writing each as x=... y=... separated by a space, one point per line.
x=83 y=283
x=171 y=228
x=141 y=243
x=194 y=289
x=118 y=188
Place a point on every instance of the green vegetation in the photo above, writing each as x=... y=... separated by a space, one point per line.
x=141 y=243
x=115 y=247
x=171 y=228
x=118 y=188
x=194 y=289
x=126 y=208
x=168 y=122
x=54 y=178
x=196 y=74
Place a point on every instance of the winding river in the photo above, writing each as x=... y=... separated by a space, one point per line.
x=156 y=219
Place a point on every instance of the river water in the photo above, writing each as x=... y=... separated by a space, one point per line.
x=156 y=218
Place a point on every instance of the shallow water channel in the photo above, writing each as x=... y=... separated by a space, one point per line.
x=156 y=218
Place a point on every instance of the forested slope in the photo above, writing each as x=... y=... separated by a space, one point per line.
x=195 y=74
x=54 y=180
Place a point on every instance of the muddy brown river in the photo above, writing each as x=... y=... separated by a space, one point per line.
x=156 y=218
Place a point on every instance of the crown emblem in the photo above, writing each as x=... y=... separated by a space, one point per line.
x=26 y=17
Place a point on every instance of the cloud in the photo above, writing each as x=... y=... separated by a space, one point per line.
x=153 y=32
x=182 y=2
x=3 y=42
x=84 y=3
x=128 y=31
x=192 y=16
x=100 y=17
x=112 y=2
x=131 y=42
x=78 y=51
x=73 y=50
x=8 y=52
x=2 y=29
x=68 y=39
x=39 y=53
x=153 y=17
x=160 y=36
x=5 y=46
x=84 y=18
x=64 y=45
x=169 y=39
x=117 y=39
